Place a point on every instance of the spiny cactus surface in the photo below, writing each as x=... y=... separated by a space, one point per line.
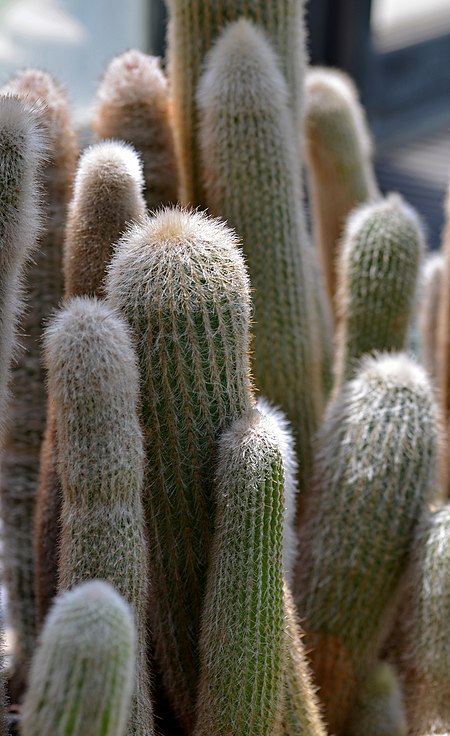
x=83 y=671
x=377 y=455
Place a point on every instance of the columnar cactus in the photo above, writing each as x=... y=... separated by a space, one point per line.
x=443 y=323
x=378 y=271
x=93 y=384
x=252 y=179
x=193 y=28
x=338 y=152
x=424 y=653
x=379 y=709
x=241 y=645
x=22 y=153
x=83 y=671
x=377 y=455
x=180 y=281
x=107 y=197
x=134 y=106
x=301 y=715
x=430 y=311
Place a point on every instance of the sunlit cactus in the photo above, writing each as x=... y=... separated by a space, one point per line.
x=181 y=283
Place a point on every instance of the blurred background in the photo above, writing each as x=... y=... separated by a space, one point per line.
x=398 y=52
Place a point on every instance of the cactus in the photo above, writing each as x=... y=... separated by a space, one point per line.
x=107 y=197
x=21 y=156
x=338 y=152
x=376 y=457
x=378 y=271
x=281 y=428
x=443 y=320
x=253 y=181
x=93 y=384
x=181 y=283
x=82 y=676
x=423 y=654
x=193 y=28
x=429 y=313
x=241 y=643
x=301 y=715
x=379 y=708
x=133 y=105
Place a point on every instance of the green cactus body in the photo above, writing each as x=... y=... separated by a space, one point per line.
x=93 y=384
x=193 y=28
x=43 y=281
x=424 y=658
x=338 y=152
x=379 y=709
x=180 y=281
x=241 y=644
x=443 y=321
x=429 y=311
x=21 y=155
x=133 y=105
x=378 y=270
x=83 y=671
x=301 y=715
x=376 y=459
x=252 y=180
x=107 y=197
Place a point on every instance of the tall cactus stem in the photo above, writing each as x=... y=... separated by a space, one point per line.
x=134 y=106
x=194 y=26
x=252 y=180
x=377 y=456
x=241 y=645
x=429 y=312
x=83 y=671
x=181 y=283
x=22 y=154
x=93 y=384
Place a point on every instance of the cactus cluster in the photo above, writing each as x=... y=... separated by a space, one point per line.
x=224 y=479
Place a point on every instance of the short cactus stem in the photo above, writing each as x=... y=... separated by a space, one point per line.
x=93 y=384
x=338 y=152
x=377 y=457
x=242 y=635
x=22 y=153
x=134 y=106
x=244 y=117
x=378 y=269
x=83 y=671
x=379 y=709
x=194 y=26
x=180 y=281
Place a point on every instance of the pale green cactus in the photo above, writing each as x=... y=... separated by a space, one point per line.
x=22 y=153
x=377 y=455
x=93 y=384
x=379 y=709
x=431 y=282
x=241 y=644
x=338 y=153
x=423 y=653
x=251 y=171
x=194 y=26
x=83 y=671
x=134 y=106
x=378 y=275
x=181 y=283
